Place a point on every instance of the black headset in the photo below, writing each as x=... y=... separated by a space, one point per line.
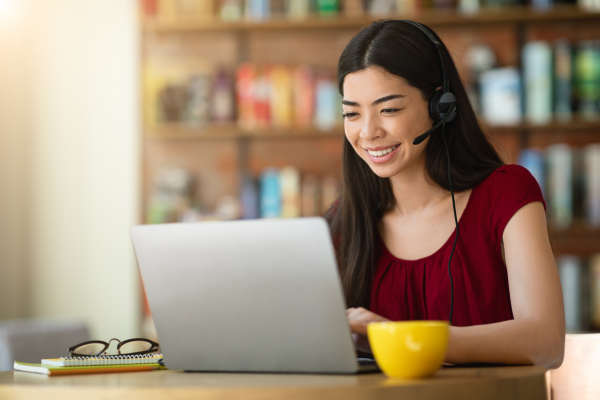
x=442 y=109
x=442 y=105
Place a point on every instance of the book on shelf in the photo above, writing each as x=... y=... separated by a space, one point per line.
x=587 y=78
x=594 y=279
x=591 y=176
x=560 y=185
x=270 y=194
x=563 y=80
x=500 y=96
x=533 y=160
x=289 y=178
x=93 y=365
x=570 y=271
x=537 y=81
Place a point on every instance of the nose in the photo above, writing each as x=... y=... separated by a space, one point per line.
x=371 y=129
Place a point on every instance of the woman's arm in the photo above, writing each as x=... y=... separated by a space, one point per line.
x=537 y=334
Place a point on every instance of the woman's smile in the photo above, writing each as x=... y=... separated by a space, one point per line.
x=382 y=154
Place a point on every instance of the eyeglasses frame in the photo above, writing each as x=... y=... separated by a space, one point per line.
x=153 y=349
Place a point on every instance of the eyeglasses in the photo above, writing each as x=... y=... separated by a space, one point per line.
x=126 y=347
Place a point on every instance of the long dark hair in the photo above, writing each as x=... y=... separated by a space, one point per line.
x=402 y=50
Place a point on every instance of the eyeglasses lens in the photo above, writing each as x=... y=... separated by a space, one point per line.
x=135 y=347
x=89 y=349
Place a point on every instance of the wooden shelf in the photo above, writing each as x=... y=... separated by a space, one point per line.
x=579 y=239
x=232 y=131
x=434 y=18
x=577 y=124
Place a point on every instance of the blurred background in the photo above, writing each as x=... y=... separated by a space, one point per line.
x=119 y=112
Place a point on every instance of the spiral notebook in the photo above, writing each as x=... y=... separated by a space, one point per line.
x=93 y=365
x=100 y=361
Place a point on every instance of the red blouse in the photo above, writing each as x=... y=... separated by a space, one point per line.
x=420 y=289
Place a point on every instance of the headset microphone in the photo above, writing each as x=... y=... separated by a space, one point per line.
x=425 y=135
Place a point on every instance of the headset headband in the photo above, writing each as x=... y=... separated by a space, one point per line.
x=438 y=47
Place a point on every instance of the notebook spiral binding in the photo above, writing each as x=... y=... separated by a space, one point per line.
x=135 y=359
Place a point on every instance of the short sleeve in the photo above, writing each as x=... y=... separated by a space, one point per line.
x=509 y=188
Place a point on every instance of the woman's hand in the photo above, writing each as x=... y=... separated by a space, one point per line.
x=358 y=319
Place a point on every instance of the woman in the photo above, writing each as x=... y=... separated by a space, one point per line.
x=394 y=226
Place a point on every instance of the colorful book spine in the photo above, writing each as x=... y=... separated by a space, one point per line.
x=262 y=99
x=149 y=8
x=257 y=10
x=560 y=185
x=198 y=102
x=468 y=6
x=249 y=198
x=533 y=160
x=328 y=8
x=500 y=91
x=326 y=106
x=289 y=181
x=353 y=8
x=382 y=7
x=542 y=5
x=570 y=271
x=563 y=80
x=281 y=96
x=270 y=194
x=304 y=95
x=587 y=77
x=591 y=176
x=231 y=10
x=298 y=9
x=245 y=77
x=537 y=77
x=222 y=104
x=594 y=273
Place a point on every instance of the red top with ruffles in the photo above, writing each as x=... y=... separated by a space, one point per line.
x=420 y=289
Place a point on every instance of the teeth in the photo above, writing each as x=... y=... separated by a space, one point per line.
x=381 y=152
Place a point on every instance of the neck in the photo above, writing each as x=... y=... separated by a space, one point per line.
x=413 y=191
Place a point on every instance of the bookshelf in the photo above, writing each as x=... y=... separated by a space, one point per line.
x=217 y=155
x=433 y=18
x=318 y=41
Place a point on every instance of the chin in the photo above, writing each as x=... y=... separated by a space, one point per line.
x=386 y=171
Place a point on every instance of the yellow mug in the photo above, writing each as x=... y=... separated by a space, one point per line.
x=409 y=349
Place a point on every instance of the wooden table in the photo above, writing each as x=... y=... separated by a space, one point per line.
x=449 y=383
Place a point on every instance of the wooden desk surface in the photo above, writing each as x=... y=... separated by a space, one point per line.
x=449 y=383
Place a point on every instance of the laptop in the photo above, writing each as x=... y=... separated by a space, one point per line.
x=247 y=296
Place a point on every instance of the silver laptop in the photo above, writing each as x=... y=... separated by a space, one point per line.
x=256 y=296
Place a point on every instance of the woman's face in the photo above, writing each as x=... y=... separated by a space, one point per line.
x=382 y=116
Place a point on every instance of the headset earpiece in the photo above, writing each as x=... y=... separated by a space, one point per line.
x=439 y=104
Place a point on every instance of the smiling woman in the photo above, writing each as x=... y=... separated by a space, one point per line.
x=394 y=227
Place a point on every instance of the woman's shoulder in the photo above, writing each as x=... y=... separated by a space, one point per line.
x=510 y=182
x=504 y=192
x=509 y=176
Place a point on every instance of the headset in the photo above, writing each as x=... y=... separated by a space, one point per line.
x=442 y=109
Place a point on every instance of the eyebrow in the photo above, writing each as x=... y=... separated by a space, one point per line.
x=378 y=101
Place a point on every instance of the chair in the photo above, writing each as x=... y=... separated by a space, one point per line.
x=578 y=377
x=30 y=340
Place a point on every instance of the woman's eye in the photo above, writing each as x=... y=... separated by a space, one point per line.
x=389 y=110
x=349 y=114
